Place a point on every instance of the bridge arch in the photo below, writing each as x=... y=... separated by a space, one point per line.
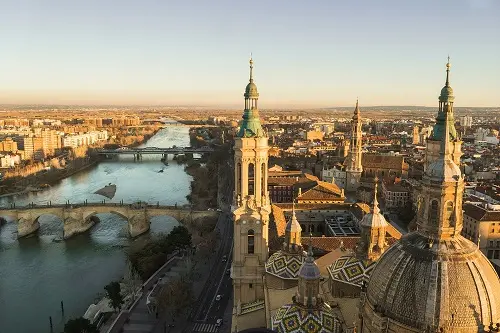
x=88 y=215
x=49 y=224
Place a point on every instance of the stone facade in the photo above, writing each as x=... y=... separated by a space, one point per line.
x=77 y=219
x=354 y=168
x=251 y=209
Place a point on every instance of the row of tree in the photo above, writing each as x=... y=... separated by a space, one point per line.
x=148 y=258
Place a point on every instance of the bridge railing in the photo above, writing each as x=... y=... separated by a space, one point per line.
x=134 y=205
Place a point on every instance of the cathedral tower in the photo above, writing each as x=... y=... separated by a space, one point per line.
x=353 y=159
x=445 y=122
x=251 y=205
x=433 y=279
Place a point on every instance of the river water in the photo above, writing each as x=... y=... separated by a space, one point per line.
x=37 y=273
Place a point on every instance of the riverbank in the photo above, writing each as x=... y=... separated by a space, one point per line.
x=34 y=182
x=42 y=273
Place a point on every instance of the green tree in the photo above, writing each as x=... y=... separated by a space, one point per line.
x=113 y=291
x=80 y=325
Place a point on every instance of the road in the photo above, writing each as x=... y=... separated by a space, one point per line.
x=209 y=309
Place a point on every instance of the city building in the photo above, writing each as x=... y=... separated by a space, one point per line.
x=466 y=121
x=353 y=164
x=395 y=195
x=482 y=226
x=8 y=145
x=85 y=139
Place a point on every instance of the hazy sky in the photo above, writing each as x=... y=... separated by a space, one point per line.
x=306 y=52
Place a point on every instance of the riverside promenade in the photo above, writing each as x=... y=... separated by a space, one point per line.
x=136 y=317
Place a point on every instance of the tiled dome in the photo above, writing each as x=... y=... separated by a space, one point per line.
x=285 y=265
x=293 y=318
x=448 y=284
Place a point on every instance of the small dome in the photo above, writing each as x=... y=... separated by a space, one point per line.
x=444 y=169
x=447 y=91
x=309 y=270
x=351 y=270
x=374 y=220
x=294 y=318
x=251 y=90
x=285 y=265
x=449 y=283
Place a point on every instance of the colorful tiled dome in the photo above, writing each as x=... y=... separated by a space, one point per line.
x=351 y=270
x=285 y=265
x=292 y=318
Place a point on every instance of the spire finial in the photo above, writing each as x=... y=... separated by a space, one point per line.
x=448 y=72
x=251 y=67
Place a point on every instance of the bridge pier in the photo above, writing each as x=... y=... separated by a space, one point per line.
x=75 y=223
x=26 y=225
x=138 y=222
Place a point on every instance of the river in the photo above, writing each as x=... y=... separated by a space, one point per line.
x=37 y=273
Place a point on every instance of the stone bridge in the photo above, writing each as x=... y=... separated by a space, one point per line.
x=78 y=218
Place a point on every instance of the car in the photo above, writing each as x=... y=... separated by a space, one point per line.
x=219 y=322
x=224 y=259
x=218 y=297
x=228 y=272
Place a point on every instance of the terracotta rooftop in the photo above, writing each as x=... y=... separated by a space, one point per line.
x=377 y=161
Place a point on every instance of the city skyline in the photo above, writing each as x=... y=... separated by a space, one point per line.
x=324 y=55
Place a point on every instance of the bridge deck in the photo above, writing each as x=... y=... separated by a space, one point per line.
x=154 y=151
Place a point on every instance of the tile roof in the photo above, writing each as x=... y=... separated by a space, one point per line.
x=377 y=161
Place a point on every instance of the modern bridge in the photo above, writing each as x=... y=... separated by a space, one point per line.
x=77 y=218
x=155 y=151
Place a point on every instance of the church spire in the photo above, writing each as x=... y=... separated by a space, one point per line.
x=376 y=209
x=447 y=84
x=250 y=126
x=251 y=69
x=293 y=232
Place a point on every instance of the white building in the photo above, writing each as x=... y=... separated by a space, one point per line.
x=336 y=175
x=9 y=161
x=466 y=121
x=77 y=140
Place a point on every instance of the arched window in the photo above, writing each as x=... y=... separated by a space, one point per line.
x=449 y=213
x=434 y=212
x=251 y=176
x=251 y=241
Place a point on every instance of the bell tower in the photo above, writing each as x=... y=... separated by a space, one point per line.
x=251 y=206
x=445 y=122
x=353 y=159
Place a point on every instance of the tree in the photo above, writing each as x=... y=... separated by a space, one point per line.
x=113 y=291
x=175 y=296
x=80 y=325
x=132 y=280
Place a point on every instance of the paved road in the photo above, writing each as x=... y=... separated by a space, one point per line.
x=209 y=309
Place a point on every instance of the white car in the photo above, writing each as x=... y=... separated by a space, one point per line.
x=218 y=297
x=219 y=322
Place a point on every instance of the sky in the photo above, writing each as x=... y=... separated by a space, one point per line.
x=315 y=53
